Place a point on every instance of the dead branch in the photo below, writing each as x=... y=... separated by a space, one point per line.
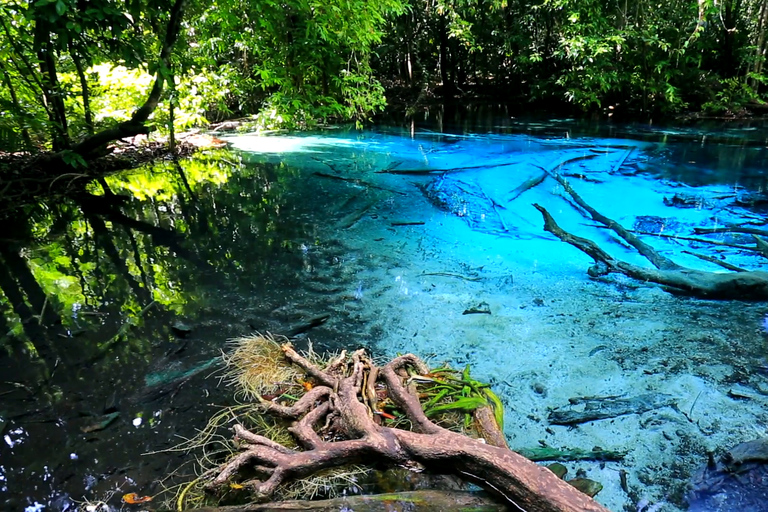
x=752 y=285
x=658 y=261
x=336 y=428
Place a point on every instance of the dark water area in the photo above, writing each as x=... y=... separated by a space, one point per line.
x=117 y=303
x=127 y=302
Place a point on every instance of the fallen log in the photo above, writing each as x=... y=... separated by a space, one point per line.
x=338 y=423
x=750 y=285
x=422 y=501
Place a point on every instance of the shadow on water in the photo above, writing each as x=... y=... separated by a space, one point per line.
x=116 y=299
x=115 y=302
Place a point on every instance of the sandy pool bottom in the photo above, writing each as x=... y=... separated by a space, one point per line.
x=554 y=334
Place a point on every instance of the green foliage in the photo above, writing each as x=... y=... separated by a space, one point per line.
x=298 y=62
x=69 y=68
x=448 y=390
x=636 y=56
x=733 y=95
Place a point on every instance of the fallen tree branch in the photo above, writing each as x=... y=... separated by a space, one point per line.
x=658 y=261
x=752 y=285
x=730 y=229
x=716 y=261
x=548 y=453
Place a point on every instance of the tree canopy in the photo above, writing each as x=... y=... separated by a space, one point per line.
x=79 y=74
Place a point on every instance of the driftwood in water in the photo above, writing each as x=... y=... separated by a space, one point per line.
x=418 y=172
x=731 y=229
x=716 y=261
x=751 y=285
x=422 y=501
x=534 y=181
x=344 y=400
x=356 y=181
x=762 y=245
x=546 y=453
x=584 y=409
x=526 y=185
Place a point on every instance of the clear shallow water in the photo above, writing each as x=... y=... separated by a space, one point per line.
x=127 y=302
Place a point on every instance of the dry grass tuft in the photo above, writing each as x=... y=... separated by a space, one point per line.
x=256 y=365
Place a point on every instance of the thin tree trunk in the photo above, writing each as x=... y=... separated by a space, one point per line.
x=172 y=113
x=85 y=93
x=43 y=306
x=135 y=125
x=51 y=88
x=104 y=238
x=33 y=330
x=16 y=107
x=760 y=46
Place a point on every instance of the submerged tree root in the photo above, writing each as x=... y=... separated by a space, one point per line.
x=337 y=424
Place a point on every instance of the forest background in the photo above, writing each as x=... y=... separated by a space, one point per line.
x=78 y=73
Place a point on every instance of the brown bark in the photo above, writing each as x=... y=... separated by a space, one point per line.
x=50 y=83
x=337 y=404
x=84 y=90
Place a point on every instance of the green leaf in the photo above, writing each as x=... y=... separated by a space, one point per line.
x=466 y=404
x=61 y=7
x=498 y=407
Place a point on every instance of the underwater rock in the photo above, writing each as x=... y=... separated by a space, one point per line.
x=584 y=409
x=685 y=201
x=655 y=224
x=181 y=329
x=739 y=481
x=465 y=199
x=751 y=200
x=558 y=469
x=587 y=486
x=481 y=309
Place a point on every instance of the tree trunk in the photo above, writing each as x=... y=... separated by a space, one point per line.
x=85 y=93
x=135 y=125
x=51 y=89
x=760 y=45
x=32 y=328
x=43 y=306
x=16 y=106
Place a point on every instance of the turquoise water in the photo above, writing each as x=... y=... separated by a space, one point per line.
x=120 y=304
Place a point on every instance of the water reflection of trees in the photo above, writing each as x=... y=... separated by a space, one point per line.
x=127 y=254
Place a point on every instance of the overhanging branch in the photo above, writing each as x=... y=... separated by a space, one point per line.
x=135 y=125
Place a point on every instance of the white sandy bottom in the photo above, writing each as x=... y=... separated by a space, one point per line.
x=554 y=334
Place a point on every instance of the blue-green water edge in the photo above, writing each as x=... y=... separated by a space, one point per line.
x=114 y=310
